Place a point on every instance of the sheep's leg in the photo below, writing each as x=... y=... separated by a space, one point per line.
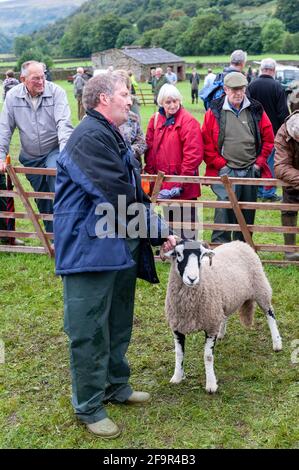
x=179 y=342
x=222 y=329
x=276 y=338
x=265 y=305
x=211 y=382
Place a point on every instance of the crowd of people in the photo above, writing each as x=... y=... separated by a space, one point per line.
x=101 y=160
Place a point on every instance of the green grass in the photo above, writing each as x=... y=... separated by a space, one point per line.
x=224 y=59
x=254 y=14
x=257 y=402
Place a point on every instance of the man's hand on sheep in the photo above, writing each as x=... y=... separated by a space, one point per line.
x=168 y=245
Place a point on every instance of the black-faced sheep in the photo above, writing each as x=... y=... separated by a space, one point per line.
x=205 y=287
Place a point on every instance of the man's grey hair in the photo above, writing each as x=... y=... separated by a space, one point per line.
x=26 y=65
x=238 y=57
x=103 y=83
x=268 y=64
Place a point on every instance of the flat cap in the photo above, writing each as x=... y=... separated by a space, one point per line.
x=235 y=80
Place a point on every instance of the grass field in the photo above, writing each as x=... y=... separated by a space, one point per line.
x=219 y=59
x=223 y=59
x=257 y=402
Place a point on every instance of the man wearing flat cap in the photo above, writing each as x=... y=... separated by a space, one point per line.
x=286 y=167
x=238 y=137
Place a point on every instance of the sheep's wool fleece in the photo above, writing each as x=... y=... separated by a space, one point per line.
x=236 y=275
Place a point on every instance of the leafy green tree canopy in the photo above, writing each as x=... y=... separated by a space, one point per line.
x=21 y=44
x=272 y=35
x=288 y=12
x=34 y=54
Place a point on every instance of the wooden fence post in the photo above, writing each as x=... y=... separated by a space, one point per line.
x=157 y=186
x=46 y=244
x=238 y=213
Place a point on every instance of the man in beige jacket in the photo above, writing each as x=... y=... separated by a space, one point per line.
x=286 y=167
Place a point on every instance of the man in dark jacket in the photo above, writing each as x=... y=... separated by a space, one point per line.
x=273 y=98
x=194 y=81
x=98 y=252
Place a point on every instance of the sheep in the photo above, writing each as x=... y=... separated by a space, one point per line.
x=205 y=287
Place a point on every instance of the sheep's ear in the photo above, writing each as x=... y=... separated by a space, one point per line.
x=207 y=252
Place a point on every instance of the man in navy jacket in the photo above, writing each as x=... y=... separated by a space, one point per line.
x=98 y=186
x=270 y=93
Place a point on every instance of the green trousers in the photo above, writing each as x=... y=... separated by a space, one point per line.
x=98 y=318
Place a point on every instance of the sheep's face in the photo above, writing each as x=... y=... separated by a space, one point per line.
x=187 y=256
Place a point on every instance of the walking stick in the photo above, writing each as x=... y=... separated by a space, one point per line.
x=10 y=204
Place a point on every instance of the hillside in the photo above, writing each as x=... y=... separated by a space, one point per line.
x=186 y=27
x=20 y=17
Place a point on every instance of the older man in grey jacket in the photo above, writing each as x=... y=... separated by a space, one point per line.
x=39 y=110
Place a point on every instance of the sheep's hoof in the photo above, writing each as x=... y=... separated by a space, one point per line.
x=175 y=379
x=211 y=388
x=277 y=345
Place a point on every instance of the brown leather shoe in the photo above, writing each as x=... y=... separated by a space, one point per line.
x=138 y=397
x=104 y=428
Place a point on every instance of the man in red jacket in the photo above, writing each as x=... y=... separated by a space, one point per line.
x=238 y=138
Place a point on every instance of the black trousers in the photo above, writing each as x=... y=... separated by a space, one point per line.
x=194 y=95
x=227 y=216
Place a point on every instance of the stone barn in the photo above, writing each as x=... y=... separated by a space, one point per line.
x=139 y=60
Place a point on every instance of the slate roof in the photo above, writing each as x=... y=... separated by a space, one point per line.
x=151 y=55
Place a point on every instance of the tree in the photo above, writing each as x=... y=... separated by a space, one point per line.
x=220 y=40
x=150 y=21
x=21 y=44
x=77 y=40
x=168 y=35
x=272 y=35
x=146 y=40
x=288 y=12
x=248 y=38
x=105 y=32
x=126 y=37
x=34 y=54
x=5 y=43
x=290 y=43
x=189 y=42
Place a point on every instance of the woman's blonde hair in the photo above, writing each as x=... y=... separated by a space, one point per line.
x=168 y=91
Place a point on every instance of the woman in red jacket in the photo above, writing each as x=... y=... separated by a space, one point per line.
x=175 y=147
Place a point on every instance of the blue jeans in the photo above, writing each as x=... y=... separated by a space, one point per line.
x=42 y=183
x=262 y=191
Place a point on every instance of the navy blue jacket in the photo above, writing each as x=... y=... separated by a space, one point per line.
x=94 y=168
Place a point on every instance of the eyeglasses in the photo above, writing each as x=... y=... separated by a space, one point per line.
x=37 y=79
